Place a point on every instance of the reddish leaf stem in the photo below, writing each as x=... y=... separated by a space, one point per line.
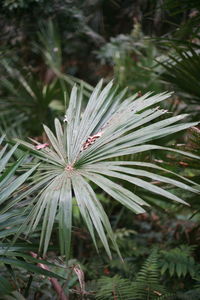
x=55 y=284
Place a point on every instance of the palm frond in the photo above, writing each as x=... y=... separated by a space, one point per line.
x=80 y=153
x=181 y=70
x=8 y=182
x=28 y=102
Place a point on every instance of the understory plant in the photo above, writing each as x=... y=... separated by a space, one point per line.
x=9 y=182
x=145 y=286
x=132 y=57
x=89 y=149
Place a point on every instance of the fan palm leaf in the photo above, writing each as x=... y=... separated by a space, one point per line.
x=181 y=70
x=32 y=100
x=81 y=152
x=9 y=183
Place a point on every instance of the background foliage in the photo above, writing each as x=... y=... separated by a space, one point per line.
x=45 y=48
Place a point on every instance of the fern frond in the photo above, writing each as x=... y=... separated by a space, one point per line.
x=147 y=284
x=114 y=288
x=178 y=261
x=167 y=296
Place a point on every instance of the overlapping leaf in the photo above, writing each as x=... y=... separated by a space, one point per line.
x=8 y=182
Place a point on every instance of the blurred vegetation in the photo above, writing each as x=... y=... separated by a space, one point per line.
x=47 y=47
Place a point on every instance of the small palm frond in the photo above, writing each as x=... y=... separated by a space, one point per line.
x=82 y=153
x=181 y=70
x=9 y=183
x=27 y=101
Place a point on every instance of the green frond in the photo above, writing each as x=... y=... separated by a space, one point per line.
x=51 y=50
x=178 y=261
x=181 y=69
x=147 y=284
x=8 y=182
x=79 y=153
x=114 y=288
